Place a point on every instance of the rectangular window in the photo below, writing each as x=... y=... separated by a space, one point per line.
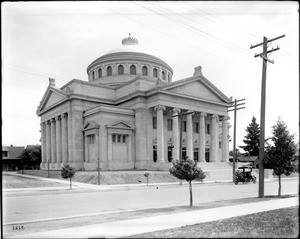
x=91 y=139
x=207 y=129
x=183 y=152
x=124 y=138
x=154 y=153
x=170 y=124
x=170 y=158
x=220 y=145
x=196 y=127
x=114 y=138
x=154 y=123
x=119 y=138
x=184 y=126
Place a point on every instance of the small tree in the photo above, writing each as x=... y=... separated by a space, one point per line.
x=68 y=172
x=252 y=138
x=188 y=170
x=279 y=155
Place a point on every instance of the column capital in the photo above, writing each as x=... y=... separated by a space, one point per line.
x=64 y=115
x=160 y=107
x=202 y=114
x=214 y=116
x=176 y=110
x=48 y=122
x=57 y=118
x=53 y=120
x=225 y=118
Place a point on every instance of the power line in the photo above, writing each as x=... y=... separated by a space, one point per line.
x=192 y=28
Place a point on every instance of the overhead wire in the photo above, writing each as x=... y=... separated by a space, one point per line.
x=192 y=28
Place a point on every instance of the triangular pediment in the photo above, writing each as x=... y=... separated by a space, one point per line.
x=52 y=97
x=121 y=125
x=199 y=88
x=91 y=125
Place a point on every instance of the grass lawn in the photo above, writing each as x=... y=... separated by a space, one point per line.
x=110 y=177
x=281 y=223
x=15 y=181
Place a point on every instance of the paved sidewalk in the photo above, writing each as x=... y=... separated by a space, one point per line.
x=149 y=224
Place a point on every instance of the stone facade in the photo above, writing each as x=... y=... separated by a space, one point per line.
x=127 y=116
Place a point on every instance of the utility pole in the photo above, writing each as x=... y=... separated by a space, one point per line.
x=264 y=56
x=98 y=171
x=235 y=109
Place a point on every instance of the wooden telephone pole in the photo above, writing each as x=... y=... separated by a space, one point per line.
x=235 y=109
x=263 y=55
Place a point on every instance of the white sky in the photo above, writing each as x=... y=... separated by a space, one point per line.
x=60 y=39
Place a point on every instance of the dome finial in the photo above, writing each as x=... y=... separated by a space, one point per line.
x=130 y=41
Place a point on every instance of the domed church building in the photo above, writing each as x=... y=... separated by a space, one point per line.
x=128 y=115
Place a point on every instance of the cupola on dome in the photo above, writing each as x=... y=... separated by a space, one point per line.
x=124 y=63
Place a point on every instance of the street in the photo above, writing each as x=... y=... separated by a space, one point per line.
x=40 y=207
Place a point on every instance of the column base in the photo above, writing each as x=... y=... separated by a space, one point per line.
x=52 y=165
x=58 y=165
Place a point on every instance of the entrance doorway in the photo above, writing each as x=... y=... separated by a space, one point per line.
x=207 y=155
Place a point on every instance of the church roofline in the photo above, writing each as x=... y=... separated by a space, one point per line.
x=203 y=80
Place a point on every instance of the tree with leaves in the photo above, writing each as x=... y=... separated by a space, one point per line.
x=68 y=172
x=32 y=156
x=187 y=169
x=252 y=138
x=279 y=155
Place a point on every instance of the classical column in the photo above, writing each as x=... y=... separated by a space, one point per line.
x=202 y=137
x=214 y=139
x=48 y=143
x=86 y=146
x=53 y=144
x=175 y=134
x=64 y=138
x=43 y=141
x=225 y=151
x=109 y=147
x=160 y=133
x=58 y=142
x=129 y=148
x=189 y=136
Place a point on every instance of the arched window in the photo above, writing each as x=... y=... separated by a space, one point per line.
x=144 y=71
x=154 y=72
x=93 y=75
x=120 y=70
x=163 y=75
x=99 y=73
x=132 y=70
x=109 y=71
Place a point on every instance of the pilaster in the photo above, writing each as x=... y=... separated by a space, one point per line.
x=202 y=137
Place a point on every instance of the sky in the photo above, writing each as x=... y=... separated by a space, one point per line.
x=42 y=40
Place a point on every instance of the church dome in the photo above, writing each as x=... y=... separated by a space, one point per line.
x=122 y=64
